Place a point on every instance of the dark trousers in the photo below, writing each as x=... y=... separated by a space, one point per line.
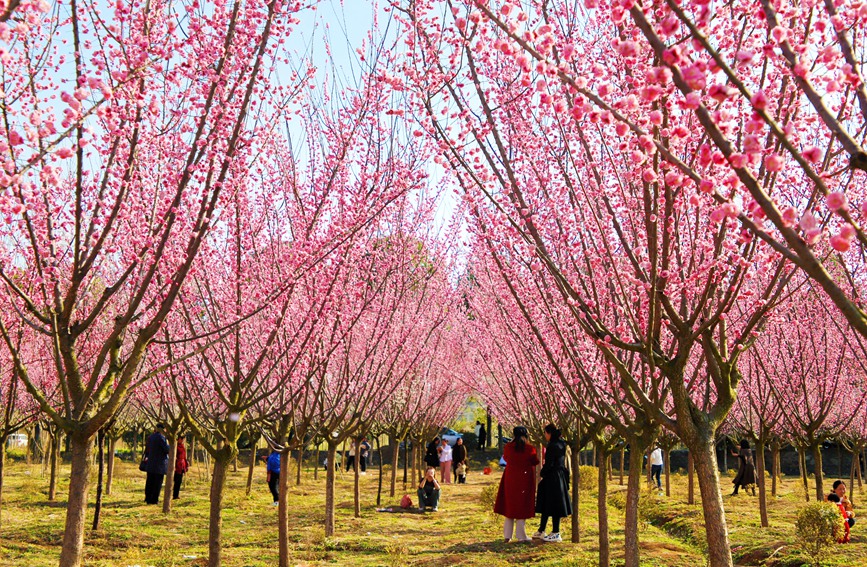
x=153 y=487
x=462 y=479
x=350 y=463
x=274 y=485
x=363 y=463
x=655 y=471
x=431 y=499
x=176 y=485
x=555 y=524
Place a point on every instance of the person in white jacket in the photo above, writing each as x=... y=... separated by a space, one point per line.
x=445 y=462
x=656 y=466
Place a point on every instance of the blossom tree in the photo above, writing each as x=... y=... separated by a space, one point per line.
x=576 y=180
x=123 y=125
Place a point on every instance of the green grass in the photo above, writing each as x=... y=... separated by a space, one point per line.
x=462 y=533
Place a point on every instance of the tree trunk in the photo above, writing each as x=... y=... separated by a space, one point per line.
x=602 y=508
x=170 y=473
x=775 y=467
x=622 y=457
x=817 y=470
x=633 y=492
x=215 y=524
x=300 y=466
x=356 y=485
x=490 y=432
x=667 y=472
x=52 y=481
x=719 y=552
x=395 y=459
x=329 y=490
x=109 y=472
x=251 y=467
x=852 y=476
x=802 y=464
x=2 y=472
x=690 y=482
x=760 y=474
x=576 y=492
x=283 y=509
x=379 y=486
x=72 y=549
x=100 y=460
x=405 y=462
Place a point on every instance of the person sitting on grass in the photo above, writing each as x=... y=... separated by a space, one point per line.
x=428 y=491
x=834 y=499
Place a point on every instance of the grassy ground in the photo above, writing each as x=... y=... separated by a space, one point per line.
x=461 y=533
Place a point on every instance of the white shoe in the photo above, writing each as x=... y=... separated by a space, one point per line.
x=539 y=535
x=554 y=538
x=275 y=504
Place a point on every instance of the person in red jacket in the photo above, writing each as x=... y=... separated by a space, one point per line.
x=516 y=497
x=181 y=467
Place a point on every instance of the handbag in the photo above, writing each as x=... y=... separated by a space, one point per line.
x=143 y=465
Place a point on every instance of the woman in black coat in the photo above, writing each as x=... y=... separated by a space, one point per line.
x=746 y=476
x=432 y=457
x=552 y=497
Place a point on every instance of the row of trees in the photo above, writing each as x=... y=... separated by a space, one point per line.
x=197 y=230
x=666 y=204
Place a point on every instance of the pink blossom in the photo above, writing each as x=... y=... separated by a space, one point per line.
x=64 y=152
x=839 y=243
x=759 y=100
x=808 y=221
x=694 y=77
x=836 y=201
x=848 y=231
x=790 y=215
x=812 y=154
x=774 y=162
x=649 y=176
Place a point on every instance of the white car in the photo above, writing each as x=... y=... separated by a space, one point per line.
x=450 y=435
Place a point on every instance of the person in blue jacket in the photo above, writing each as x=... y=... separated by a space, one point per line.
x=274 y=475
x=157 y=456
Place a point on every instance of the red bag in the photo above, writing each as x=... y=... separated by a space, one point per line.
x=487 y=470
x=406 y=501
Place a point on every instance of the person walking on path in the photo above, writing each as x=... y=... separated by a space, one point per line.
x=182 y=465
x=428 y=491
x=157 y=455
x=459 y=460
x=552 y=499
x=516 y=495
x=656 y=465
x=746 y=476
x=482 y=435
x=273 y=475
x=445 y=463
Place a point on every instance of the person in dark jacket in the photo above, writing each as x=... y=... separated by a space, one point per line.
x=459 y=460
x=483 y=435
x=432 y=456
x=181 y=468
x=746 y=476
x=552 y=497
x=157 y=455
x=273 y=474
x=517 y=491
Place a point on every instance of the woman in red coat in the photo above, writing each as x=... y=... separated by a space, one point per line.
x=516 y=498
x=181 y=467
